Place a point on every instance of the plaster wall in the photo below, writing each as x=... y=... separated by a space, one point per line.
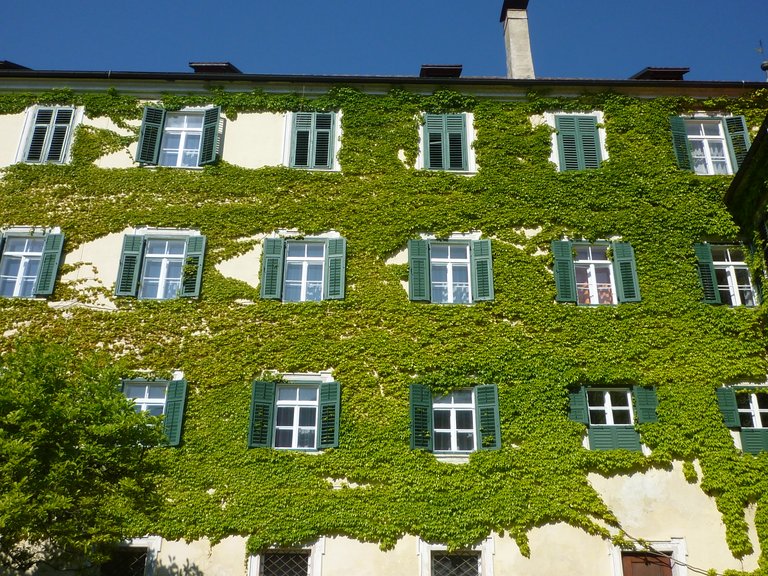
x=121 y=158
x=254 y=140
x=344 y=557
x=12 y=128
x=244 y=267
x=227 y=558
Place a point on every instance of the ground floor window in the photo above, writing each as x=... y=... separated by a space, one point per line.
x=645 y=564
x=455 y=563
x=285 y=563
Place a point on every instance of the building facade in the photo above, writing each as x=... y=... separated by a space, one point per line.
x=419 y=325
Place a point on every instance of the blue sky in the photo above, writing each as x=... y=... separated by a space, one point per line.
x=585 y=39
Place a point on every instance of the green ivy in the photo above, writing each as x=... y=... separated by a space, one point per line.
x=378 y=342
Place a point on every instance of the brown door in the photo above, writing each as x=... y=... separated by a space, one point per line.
x=642 y=564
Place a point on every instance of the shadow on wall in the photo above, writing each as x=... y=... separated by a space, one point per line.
x=176 y=569
x=132 y=561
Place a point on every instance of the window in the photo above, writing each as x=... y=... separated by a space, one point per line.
x=445 y=142
x=577 y=142
x=303 y=270
x=305 y=561
x=450 y=272
x=135 y=557
x=161 y=264
x=298 y=413
x=710 y=145
x=313 y=140
x=461 y=421
x=48 y=134
x=159 y=398
x=657 y=558
x=724 y=275
x=455 y=563
x=746 y=409
x=594 y=274
x=184 y=139
x=610 y=416
x=29 y=262
x=646 y=564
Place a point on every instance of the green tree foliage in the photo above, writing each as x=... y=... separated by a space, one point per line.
x=75 y=458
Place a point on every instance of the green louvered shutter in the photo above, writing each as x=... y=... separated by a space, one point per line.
x=193 y=267
x=175 y=400
x=565 y=276
x=330 y=408
x=335 y=261
x=487 y=420
x=737 y=136
x=434 y=141
x=625 y=271
x=302 y=136
x=646 y=403
x=589 y=141
x=261 y=418
x=57 y=145
x=209 y=144
x=151 y=135
x=272 y=269
x=567 y=143
x=482 y=270
x=578 y=142
x=614 y=437
x=37 y=139
x=130 y=266
x=49 y=265
x=578 y=410
x=421 y=417
x=754 y=440
x=322 y=140
x=456 y=137
x=707 y=273
x=680 y=143
x=418 y=270
x=726 y=401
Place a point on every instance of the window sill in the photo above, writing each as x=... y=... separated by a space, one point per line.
x=453 y=457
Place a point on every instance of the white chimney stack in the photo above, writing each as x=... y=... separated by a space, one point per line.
x=514 y=14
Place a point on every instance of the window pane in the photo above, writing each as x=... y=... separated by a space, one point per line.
x=461 y=274
x=452 y=564
x=462 y=396
x=582 y=252
x=315 y=273
x=135 y=390
x=314 y=292
x=442 y=419
x=307 y=393
x=438 y=250
x=464 y=420
x=743 y=401
x=287 y=392
x=465 y=441
x=155 y=410
x=711 y=128
x=296 y=249
x=284 y=416
x=595 y=397
x=157 y=390
x=459 y=252
x=283 y=438
x=597 y=417
x=622 y=417
x=460 y=294
x=306 y=438
x=439 y=294
x=619 y=398
x=439 y=273
x=442 y=441
x=307 y=416
x=293 y=271
x=285 y=564
x=315 y=250
x=292 y=293
x=762 y=401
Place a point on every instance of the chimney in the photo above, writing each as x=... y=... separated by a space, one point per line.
x=514 y=14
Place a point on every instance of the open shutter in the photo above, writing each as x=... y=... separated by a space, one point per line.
x=628 y=289
x=589 y=141
x=482 y=270
x=302 y=133
x=323 y=140
x=434 y=141
x=49 y=265
x=262 y=408
x=418 y=270
x=487 y=417
x=209 y=145
x=614 y=437
x=335 y=260
x=754 y=440
x=456 y=151
x=272 y=269
x=707 y=273
x=193 y=267
x=680 y=143
x=175 y=400
x=330 y=407
x=578 y=410
x=151 y=135
x=130 y=266
x=565 y=276
x=57 y=146
x=646 y=403
x=737 y=136
x=726 y=401
x=421 y=417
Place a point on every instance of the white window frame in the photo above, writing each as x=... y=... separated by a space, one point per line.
x=183 y=133
x=26 y=257
x=29 y=128
x=608 y=407
x=754 y=409
x=316 y=553
x=453 y=407
x=305 y=262
x=166 y=259
x=288 y=142
x=730 y=267
x=591 y=264
x=161 y=234
x=549 y=119
x=469 y=129
x=300 y=379
x=152 y=544
x=450 y=264
x=486 y=548
x=674 y=546
x=721 y=137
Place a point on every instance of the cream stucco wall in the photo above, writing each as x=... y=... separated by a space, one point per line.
x=227 y=558
x=244 y=267
x=122 y=158
x=254 y=140
x=11 y=129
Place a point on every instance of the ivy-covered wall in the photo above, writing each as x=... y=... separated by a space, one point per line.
x=378 y=343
